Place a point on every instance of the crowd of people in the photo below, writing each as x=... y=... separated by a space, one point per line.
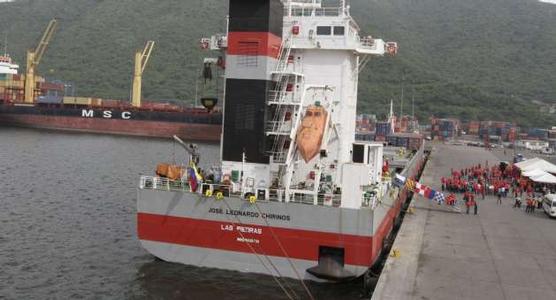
x=500 y=180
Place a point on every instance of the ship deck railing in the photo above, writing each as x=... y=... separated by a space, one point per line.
x=212 y=190
x=162 y=183
x=314 y=11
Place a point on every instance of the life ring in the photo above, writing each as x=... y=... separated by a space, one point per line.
x=208 y=193
x=252 y=199
x=219 y=195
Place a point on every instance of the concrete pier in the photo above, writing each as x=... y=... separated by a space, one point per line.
x=501 y=253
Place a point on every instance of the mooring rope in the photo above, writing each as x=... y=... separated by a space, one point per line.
x=285 y=253
x=268 y=259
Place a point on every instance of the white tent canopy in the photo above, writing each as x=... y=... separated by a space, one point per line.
x=534 y=173
x=536 y=163
x=527 y=162
x=546 y=178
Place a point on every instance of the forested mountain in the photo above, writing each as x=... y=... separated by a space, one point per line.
x=473 y=59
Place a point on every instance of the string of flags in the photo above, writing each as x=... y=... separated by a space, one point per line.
x=418 y=188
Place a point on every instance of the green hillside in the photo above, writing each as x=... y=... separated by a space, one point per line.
x=473 y=59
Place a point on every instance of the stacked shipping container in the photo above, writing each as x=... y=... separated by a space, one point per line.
x=538 y=133
x=365 y=123
x=444 y=129
x=365 y=127
x=406 y=124
x=383 y=129
x=411 y=141
x=473 y=127
x=505 y=131
x=12 y=87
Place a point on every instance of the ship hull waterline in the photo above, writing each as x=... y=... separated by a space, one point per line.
x=193 y=125
x=193 y=132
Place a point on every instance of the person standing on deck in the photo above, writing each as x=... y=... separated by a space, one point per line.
x=499 y=201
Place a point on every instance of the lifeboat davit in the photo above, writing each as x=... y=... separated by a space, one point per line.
x=309 y=135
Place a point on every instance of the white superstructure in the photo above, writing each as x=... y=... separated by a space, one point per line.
x=318 y=64
x=7 y=66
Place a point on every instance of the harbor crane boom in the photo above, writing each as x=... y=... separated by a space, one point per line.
x=34 y=57
x=141 y=60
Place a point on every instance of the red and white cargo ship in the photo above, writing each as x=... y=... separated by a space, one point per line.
x=295 y=194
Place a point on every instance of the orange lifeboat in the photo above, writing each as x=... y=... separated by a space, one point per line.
x=309 y=135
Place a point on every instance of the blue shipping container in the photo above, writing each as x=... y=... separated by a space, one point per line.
x=50 y=99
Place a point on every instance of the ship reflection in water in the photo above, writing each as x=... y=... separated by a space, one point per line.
x=67 y=225
x=161 y=280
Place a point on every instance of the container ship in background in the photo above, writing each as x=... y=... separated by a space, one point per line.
x=295 y=194
x=30 y=101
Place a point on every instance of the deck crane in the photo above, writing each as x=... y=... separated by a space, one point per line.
x=141 y=60
x=192 y=149
x=34 y=57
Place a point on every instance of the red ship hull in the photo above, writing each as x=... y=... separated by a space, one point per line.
x=189 y=124
x=189 y=131
x=362 y=250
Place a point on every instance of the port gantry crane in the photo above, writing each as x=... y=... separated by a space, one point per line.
x=141 y=60
x=34 y=57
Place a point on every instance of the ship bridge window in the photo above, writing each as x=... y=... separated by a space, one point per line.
x=339 y=30
x=324 y=30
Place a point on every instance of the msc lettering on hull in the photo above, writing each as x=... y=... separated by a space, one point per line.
x=106 y=114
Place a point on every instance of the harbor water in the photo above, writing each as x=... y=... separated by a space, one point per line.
x=67 y=225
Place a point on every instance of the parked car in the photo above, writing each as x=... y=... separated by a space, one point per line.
x=547 y=151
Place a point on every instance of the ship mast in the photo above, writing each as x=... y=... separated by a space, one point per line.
x=402 y=96
x=6 y=43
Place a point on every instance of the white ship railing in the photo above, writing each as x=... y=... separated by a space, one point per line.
x=283 y=97
x=161 y=183
x=211 y=190
x=410 y=167
x=367 y=42
x=314 y=12
x=279 y=127
x=271 y=195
